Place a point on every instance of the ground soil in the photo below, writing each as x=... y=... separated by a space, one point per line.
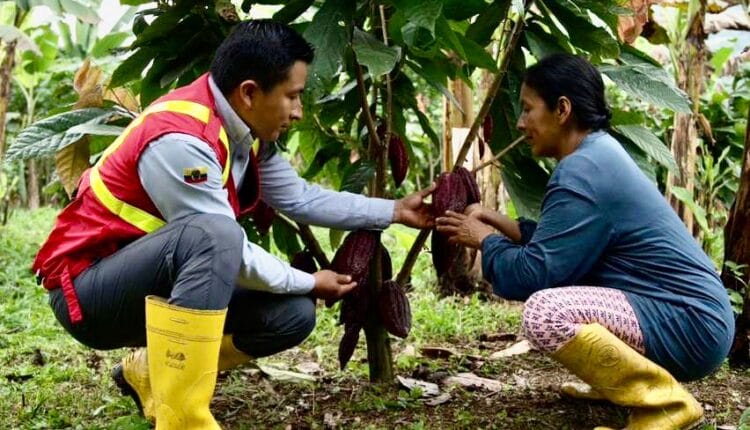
x=528 y=400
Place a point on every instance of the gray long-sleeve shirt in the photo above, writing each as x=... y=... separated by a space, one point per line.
x=161 y=169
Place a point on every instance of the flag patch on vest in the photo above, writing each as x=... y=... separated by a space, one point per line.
x=195 y=175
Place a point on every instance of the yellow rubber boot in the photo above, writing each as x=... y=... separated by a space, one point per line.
x=183 y=348
x=131 y=376
x=229 y=356
x=625 y=377
x=580 y=390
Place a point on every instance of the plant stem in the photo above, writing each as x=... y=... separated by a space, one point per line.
x=500 y=154
x=308 y=238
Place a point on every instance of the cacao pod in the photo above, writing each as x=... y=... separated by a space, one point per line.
x=386 y=264
x=263 y=216
x=472 y=189
x=348 y=343
x=304 y=261
x=394 y=309
x=444 y=254
x=355 y=306
x=398 y=158
x=354 y=255
x=449 y=194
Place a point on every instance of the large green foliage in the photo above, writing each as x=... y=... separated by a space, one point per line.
x=428 y=42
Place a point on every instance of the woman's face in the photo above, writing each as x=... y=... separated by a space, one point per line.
x=541 y=125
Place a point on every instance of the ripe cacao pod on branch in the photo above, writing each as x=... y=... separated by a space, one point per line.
x=454 y=191
x=398 y=158
x=348 y=343
x=472 y=189
x=394 y=309
x=355 y=253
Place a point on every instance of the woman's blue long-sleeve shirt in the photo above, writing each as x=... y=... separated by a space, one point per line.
x=604 y=223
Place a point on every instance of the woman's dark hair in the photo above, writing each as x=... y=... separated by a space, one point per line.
x=261 y=50
x=559 y=75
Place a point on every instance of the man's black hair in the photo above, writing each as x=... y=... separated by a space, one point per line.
x=261 y=50
x=559 y=75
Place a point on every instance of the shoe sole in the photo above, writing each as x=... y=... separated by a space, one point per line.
x=125 y=388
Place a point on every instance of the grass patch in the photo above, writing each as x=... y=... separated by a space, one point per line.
x=48 y=380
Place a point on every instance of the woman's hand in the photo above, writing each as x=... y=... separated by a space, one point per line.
x=466 y=230
x=412 y=211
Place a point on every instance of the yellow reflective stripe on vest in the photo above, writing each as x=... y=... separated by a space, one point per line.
x=129 y=213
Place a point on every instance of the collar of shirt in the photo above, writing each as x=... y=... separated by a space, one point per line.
x=240 y=135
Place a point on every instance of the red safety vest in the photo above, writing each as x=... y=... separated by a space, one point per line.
x=111 y=208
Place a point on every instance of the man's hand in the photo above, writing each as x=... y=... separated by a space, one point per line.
x=466 y=230
x=331 y=286
x=412 y=211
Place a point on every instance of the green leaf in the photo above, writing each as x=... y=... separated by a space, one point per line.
x=606 y=10
x=459 y=10
x=541 y=43
x=420 y=18
x=644 y=162
x=135 y=2
x=426 y=125
x=45 y=137
x=132 y=68
x=634 y=56
x=23 y=42
x=436 y=78
x=476 y=55
x=525 y=182
x=481 y=30
x=106 y=44
x=285 y=238
x=292 y=10
x=374 y=54
x=583 y=33
x=357 y=176
x=84 y=13
x=699 y=213
x=649 y=143
x=97 y=129
x=163 y=25
x=335 y=237
x=449 y=38
x=648 y=83
x=332 y=149
x=328 y=34
x=744 y=423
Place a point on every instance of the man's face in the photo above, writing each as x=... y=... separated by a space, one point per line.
x=271 y=113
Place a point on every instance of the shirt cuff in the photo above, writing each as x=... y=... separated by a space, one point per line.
x=303 y=281
x=381 y=212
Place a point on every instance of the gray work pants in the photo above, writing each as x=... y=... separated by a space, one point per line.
x=193 y=262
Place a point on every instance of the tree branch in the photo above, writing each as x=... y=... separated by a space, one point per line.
x=500 y=154
x=308 y=238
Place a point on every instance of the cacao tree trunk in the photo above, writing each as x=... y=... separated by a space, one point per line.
x=6 y=68
x=737 y=250
x=690 y=69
